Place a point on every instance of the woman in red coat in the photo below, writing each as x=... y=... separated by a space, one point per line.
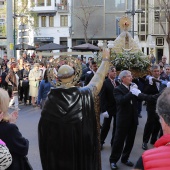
x=158 y=157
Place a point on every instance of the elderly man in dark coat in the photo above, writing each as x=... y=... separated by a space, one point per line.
x=126 y=121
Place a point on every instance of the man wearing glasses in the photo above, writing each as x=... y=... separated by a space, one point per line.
x=152 y=126
x=126 y=121
x=108 y=105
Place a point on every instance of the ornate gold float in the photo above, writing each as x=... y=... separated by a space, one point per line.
x=126 y=54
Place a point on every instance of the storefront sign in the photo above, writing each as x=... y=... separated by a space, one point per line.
x=43 y=39
x=3 y=42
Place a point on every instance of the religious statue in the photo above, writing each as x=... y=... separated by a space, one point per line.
x=68 y=128
x=125 y=42
x=126 y=53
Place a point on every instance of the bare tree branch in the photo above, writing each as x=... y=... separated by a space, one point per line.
x=85 y=10
x=164 y=7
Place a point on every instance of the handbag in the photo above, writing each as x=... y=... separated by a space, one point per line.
x=27 y=165
x=5 y=156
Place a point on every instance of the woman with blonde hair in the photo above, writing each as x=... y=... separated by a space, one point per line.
x=10 y=134
x=35 y=76
x=4 y=102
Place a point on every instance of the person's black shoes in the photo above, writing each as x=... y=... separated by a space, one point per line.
x=113 y=166
x=128 y=163
x=144 y=146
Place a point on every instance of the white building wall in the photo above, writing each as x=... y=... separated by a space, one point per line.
x=152 y=35
x=57 y=31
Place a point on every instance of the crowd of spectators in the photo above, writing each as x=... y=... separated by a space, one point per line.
x=22 y=79
x=26 y=82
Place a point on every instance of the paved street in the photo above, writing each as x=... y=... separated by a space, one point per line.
x=28 y=122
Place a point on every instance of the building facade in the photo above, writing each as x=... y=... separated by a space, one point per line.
x=150 y=32
x=101 y=19
x=73 y=22
x=52 y=22
x=104 y=18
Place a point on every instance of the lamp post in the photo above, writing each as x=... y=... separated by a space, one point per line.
x=132 y=12
x=23 y=34
x=14 y=16
x=9 y=32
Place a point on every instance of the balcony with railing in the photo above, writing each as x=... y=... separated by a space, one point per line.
x=44 y=6
x=63 y=8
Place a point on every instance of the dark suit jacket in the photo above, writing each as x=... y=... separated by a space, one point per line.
x=82 y=78
x=164 y=76
x=151 y=90
x=107 y=100
x=126 y=107
x=88 y=77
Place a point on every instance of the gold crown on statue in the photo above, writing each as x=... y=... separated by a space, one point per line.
x=124 y=23
x=68 y=66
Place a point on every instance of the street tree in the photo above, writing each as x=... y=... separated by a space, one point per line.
x=23 y=14
x=164 y=13
x=84 y=12
x=3 y=21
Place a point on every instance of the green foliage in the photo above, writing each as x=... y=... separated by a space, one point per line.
x=129 y=60
x=22 y=8
x=3 y=30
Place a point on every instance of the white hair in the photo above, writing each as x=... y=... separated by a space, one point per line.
x=124 y=73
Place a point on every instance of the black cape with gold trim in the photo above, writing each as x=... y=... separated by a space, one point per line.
x=68 y=131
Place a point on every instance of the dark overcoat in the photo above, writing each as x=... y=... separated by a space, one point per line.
x=16 y=143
